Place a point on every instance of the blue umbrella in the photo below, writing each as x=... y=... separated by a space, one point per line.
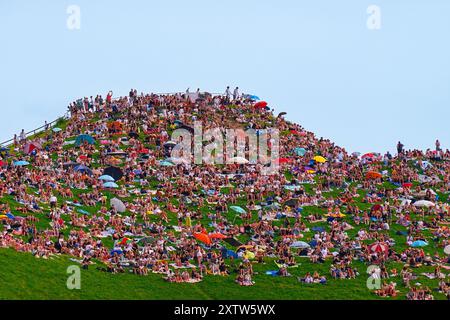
x=21 y=163
x=166 y=163
x=83 y=169
x=419 y=243
x=110 y=185
x=118 y=251
x=106 y=178
x=253 y=97
x=84 y=138
x=300 y=151
x=237 y=209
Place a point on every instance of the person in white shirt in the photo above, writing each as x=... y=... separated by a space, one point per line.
x=236 y=93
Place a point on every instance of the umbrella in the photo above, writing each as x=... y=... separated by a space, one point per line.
x=217 y=236
x=30 y=147
x=253 y=97
x=83 y=211
x=178 y=160
x=378 y=247
x=84 y=138
x=114 y=172
x=249 y=255
x=281 y=114
x=125 y=241
x=83 y=169
x=70 y=165
x=447 y=249
x=112 y=185
x=407 y=185
x=166 y=163
x=319 y=159
x=424 y=203
x=106 y=178
x=56 y=129
x=2 y=163
x=419 y=243
x=170 y=144
x=186 y=127
x=238 y=160
x=370 y=155
x=300 y=151
x=291 y=203
x=21 y=163
x=373 y=175
x=146 y=240
x=300 y=245
x=283 y=160
x=237 y=209
x=118 y=205
x=261 y=104
x=203 y=238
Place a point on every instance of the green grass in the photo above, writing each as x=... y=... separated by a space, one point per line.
x=25 y=277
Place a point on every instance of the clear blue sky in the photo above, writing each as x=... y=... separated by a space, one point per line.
x=316 y=60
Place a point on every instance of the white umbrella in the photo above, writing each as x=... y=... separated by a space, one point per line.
x=300 y=245
x=118 y=205
x=238 y=160
x=424 y=203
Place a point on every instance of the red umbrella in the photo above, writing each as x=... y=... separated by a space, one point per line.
x=407 y=185
x=203 y=238
x=143 y=151
x=284 y=160
x=261 y=104
x=83 y=158
x=2 y=164
x=378 y=247
x=368 y=155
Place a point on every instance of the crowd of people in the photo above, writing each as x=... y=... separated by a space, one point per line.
x=179 y=219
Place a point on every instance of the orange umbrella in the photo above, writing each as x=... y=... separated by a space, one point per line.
x=203 y=238
x=373 y=175
x=217 y=236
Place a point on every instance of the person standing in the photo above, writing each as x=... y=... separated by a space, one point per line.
x=400 y=147
x=236 y=93
x=22 y=136
x=227 y=94
x=438 y=145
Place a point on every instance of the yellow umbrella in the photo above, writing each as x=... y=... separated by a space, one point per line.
x=319 y=159
x=249 y=255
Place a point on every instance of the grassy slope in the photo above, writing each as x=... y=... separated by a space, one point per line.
x=25 y=277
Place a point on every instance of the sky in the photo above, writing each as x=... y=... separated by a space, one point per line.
x=318 y=61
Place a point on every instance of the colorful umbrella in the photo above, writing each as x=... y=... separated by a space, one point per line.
x=237 y=209
x=373 y=175
x=319 y=159
x=111 y=185
x=106 y=178
x=261 y=104
x=202 y=238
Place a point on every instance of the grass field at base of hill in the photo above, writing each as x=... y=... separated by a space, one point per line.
x=25 y=277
